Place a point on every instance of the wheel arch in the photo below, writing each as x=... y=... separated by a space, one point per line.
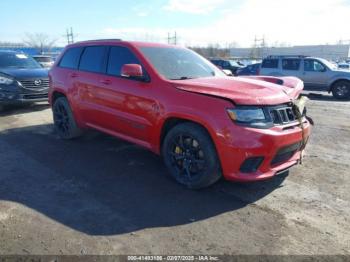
x=171 y=121
x=336 y=81
x=60 y=93
x=56 y=94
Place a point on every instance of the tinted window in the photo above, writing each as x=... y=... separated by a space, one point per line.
x=313 y=66
x=290 y=64
x=92 y=59
x=71 y=57
x=227 y=64
x=43 y=59
x=119 y=56
x=270 y=63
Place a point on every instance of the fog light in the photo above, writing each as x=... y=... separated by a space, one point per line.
x=251 y=164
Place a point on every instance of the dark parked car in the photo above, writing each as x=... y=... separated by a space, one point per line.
x=249 y=70
x=227 y=65
x=22 y=79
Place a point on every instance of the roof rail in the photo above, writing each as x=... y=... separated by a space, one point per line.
x=97 y=40
x=281 y=56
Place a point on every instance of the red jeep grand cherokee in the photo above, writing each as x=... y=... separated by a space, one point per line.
x=177 y=104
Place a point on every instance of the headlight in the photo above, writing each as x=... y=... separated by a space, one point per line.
x=249 y=116
x=4 y=80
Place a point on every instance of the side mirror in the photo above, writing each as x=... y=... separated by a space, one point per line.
x=132 y=71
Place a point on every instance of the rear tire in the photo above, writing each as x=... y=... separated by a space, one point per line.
x=341 y=90
x=190 y=156
x=64 y=122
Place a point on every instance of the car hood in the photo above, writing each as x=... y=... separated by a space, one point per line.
x=255 y=90
x=23 y=73
x=342 y=70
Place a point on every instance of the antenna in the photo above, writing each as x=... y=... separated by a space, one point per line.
x=172 y=39
x=70 y=36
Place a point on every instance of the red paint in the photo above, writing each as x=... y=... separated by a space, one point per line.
x=132 y=70
x=136 y=111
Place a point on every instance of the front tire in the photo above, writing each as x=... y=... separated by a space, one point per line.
x=190 y=156
x=341 y=90
x=64 y=122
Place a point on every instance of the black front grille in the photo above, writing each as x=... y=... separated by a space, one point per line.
x=35 y=96
x=286 y=153
x=35 y=83
x=282 y=115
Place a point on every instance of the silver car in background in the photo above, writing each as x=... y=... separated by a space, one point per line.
x=317 y=73
x=45 y=61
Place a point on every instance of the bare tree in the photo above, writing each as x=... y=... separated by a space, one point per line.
x=39 y=41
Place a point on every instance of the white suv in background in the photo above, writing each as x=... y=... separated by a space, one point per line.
x=317 y=73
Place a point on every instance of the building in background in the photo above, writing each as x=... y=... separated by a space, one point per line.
x=330 y=52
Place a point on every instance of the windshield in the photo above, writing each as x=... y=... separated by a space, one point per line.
x=14 y=60
x=43 y=59
x=179 y=63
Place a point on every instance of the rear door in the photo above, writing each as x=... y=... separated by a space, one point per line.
x=270 y=67
x=91 y=69
x=291 y=67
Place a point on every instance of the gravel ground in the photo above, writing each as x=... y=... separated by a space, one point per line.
x=100 y=195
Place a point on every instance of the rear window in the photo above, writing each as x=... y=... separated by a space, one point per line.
x=290 y=64
x=270 y=63
x=43 y=59
x=71 y=57
x=92 y=59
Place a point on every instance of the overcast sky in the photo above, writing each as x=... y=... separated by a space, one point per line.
x=197 y=22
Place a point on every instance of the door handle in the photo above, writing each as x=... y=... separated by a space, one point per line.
x=74 y=75
x=106 y=81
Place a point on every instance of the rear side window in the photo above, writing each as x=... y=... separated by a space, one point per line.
x=270 y=63
x=119 y=56
x=290 y=64
x=92 y=59
x=71 y=58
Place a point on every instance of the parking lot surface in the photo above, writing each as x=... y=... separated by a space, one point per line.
x=100 y=195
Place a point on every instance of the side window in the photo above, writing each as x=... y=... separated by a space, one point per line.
x=92 y=59
x=71 y=58
x=270 y=63
x=119 y=56
x=290 y=64
x=313 y=66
